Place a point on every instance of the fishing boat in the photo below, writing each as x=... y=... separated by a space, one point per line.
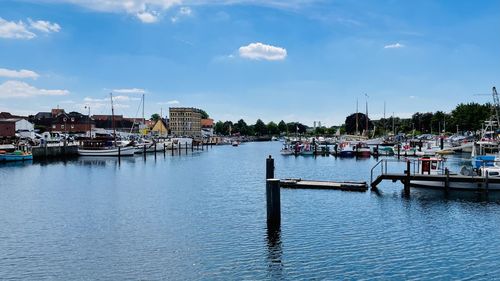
x=362 y=150
x=17 y=155
x=306 y=149
x=106 y=146
x=346 y=150
x=103 y=147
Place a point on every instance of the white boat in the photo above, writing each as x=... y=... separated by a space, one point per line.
x=107 y=151
x=435 y=166
x=150 y=147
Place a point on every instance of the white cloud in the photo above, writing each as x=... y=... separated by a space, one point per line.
x=20 y=30
x=147 y=17
x=147 y=11
x=44 y=26
x=171 y=102
x=259 y=51
x=183 y=12
x=23 y=73
x=15 y=30
x=394 y=46
x=18 y=89
x=129 y=91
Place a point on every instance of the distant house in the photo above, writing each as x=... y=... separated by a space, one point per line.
x=207 y=127
x=9 y=127
x=160 y=128
x=121 y=123
x=73 y=122
x=43 y=120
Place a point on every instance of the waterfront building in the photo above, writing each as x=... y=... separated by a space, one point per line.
x=73 y=122
x=185 y=121
x=207 y=127
x=10 y=126
x=160 y=128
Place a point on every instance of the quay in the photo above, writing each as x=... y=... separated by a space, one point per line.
x=59 y=151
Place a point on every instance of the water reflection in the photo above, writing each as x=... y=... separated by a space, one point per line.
x=274 y=251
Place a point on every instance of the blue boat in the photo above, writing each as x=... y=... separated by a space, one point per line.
x=16 y=156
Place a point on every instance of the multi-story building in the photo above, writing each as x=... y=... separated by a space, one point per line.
x=185 y=121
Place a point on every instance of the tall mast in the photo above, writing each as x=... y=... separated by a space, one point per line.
x=357 y=117
x=385 y=120
x=113 y=117
x=393 y=128
x=143 y=119
x=366 y=117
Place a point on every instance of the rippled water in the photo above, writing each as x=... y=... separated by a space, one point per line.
x=202 y=216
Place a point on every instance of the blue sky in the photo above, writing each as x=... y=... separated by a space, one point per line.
x=297 y=60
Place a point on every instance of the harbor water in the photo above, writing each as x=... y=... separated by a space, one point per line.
x=202 y=216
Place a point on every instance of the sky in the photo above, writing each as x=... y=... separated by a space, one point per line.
x=293 y=60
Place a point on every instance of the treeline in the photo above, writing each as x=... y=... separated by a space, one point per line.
x=465 y=117
x=259 y=128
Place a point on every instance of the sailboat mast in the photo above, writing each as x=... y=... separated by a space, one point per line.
x=143 y=119
x=366 y=116
x=357 y=117
x=113 y=117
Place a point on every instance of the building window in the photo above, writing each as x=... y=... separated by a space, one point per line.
x=53 y=126
x=62 y=126
x=72 y=119
x=72 y=126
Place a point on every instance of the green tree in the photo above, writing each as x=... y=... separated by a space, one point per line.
x=219 y=128
x=350 y=123
x=241 y=127
x=282 y=127
x=470 y=116
x=272 y=128
x=260 y=128
x=204 y=114
x=155 y=117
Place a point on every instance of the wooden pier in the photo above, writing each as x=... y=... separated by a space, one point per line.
x=314 y=184
x=444 y=182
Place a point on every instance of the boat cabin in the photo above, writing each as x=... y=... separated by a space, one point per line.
x=431 y=166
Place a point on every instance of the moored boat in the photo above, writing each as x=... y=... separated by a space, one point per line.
x=17 y=155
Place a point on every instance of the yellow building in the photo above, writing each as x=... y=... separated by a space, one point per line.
x=160 y=128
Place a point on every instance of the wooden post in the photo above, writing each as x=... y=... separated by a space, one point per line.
x=186 y=148
x=399 y=151
x=441 y=143
x=486 y=183
x=144 y=151
x=155 y=150
x=164 y=149
x=447 y=181
x=172 y=148
x=119 y=152
x=407 y=179
x=273 y=201
x=192 y=147
x=269 y=168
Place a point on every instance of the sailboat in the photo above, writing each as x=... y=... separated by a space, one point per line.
x=105 y=146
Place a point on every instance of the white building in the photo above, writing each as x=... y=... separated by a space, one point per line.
x=25 y=129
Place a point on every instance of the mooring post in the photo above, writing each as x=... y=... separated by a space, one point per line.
x=172 y=147
x=441 y=143
x=192 y=146
x=399 y=150
x=164 y=149
x=155 y=150
x=486 y=182
x=273 y=201
x=447 y=181
x=269 y=168
x=407 y=180
x=119 y=152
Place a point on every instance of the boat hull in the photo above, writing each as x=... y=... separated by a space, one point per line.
x=466 y=186
x=12 y=157
x=123 y=151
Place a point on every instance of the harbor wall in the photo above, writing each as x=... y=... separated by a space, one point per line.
x=62 y=151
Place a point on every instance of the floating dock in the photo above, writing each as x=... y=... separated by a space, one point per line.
x=314 y=184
